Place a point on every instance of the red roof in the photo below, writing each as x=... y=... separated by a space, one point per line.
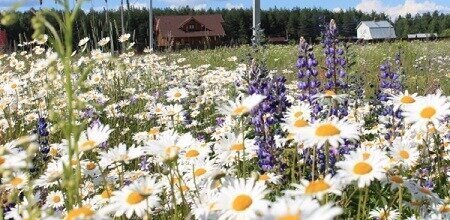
x=170 y=25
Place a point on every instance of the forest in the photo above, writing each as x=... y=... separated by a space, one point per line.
x=293 y=23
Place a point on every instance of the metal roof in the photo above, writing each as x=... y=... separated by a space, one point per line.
x=376 y=24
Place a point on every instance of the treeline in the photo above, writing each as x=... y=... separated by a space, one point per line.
x=293 y=23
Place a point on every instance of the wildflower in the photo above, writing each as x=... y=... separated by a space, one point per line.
x=332 y=131
x=168 y=145
x=103 y=41
x=83 y=41
x=241 y=107
x=432 y=109
x=302 y=208
x=93 y=137
x=384 y=213
x=176 y=94
x=17 y=181
x=55 y=199
x=405 y=152
x=403 y=99
x=356 y=168
x=317 y=188
x=120 y=154
x=124 y=37
x=241 y=199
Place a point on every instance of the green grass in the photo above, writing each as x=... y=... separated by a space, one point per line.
x=423 y=79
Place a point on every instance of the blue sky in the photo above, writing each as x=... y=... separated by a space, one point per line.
x=391 y=7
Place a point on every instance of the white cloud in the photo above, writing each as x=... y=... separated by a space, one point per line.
x=337 y=9
x=230 y=5
x=409 y=6
x=200 y=6
x=182 y=3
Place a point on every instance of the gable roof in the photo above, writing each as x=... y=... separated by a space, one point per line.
x=376 y=24
x=170 y=25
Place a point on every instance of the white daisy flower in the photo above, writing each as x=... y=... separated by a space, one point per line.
x=301 y=208
x=332 y=131
x=55 y=199
x=384 y=213
x=242 y=199
x=403 y=99
x=176 y=94
x=432 y=109
x=241 y=106
x=405 y=152
x=317 y=188
x=356 y=168
x=93 y=137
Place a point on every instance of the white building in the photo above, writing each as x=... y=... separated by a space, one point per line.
x=422 y=36
x=370 y=30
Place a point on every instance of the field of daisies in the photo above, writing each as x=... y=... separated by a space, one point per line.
x=88 y=134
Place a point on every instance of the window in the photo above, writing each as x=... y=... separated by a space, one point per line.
x=191 y=27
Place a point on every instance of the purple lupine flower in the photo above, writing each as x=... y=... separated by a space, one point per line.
x=42 y=131
x=336 y=63
x=268 y=114
x=308 y=84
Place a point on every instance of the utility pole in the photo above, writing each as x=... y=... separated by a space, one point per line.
x=256 y=19
x=121 y=17
x=150 y=21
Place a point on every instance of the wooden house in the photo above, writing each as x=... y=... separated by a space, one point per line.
x=189 y=31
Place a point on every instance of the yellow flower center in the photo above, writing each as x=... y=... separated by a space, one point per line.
x=289 y=217
x=444 y=208
x=177 y=95
x=407 y=99
x=300 y=123
x=240 y=110
x=316 y=186
x=16 y=181
x=171 y=151
x=199 y=172
x=329 y=93
x=366 y=155
x=56 y=199
x=192 y=153
x=87 y=145
x=327 y=130
x=90 y=166
x=237 y=147
x=298 y=114
x=134 y=198
x=153 y=131
x=78 y=213
x=396 y=179
x=107 y=193
x=403 y=154
x=184 y=188
x=242 y=202
x=54 y=152
x=263 y=177
x=362 y=168
x=428 y=112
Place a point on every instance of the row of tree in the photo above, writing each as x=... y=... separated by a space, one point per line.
x=292 y=23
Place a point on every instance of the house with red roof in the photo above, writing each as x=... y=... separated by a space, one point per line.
x=189 y=31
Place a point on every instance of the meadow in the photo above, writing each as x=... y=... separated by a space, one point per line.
x=425 y=62
x=282 y=132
